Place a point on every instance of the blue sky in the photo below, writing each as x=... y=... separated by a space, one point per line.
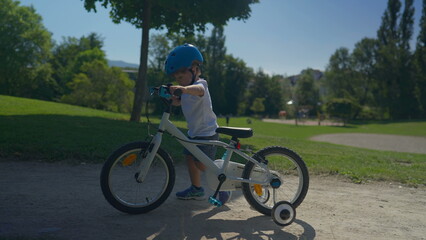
x=280 y=37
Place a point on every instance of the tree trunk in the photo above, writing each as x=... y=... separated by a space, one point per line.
x=141 y=82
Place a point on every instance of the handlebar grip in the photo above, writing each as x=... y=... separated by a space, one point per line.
x=178 y=92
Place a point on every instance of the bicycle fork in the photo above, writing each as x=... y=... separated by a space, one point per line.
x=148 y=157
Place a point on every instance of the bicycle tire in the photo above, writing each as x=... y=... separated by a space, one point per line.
x=119 y=185
x=292 y=171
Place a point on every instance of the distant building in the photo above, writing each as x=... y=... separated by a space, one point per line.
x=317 y=74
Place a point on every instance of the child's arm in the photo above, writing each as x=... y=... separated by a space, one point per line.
x=196 y=90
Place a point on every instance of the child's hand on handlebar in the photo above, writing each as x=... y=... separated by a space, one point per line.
x=176 y=90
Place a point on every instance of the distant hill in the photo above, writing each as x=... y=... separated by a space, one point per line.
x=122 y=64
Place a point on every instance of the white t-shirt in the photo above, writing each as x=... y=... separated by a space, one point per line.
x=198 y=112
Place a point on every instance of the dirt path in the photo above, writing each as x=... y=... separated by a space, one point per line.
x=65 y=202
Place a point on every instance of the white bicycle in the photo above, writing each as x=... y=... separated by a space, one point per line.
x=139 y=176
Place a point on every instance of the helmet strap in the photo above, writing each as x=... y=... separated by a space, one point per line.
x=193 y=76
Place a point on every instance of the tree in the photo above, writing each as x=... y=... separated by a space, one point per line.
x=158 y=51
x=388 y=31
x=86 y=79
x=215 y=62
x=177 y=16
x=421 y=38
x=406 y=25
x=307 y=91
x=407 y=100
x=101 y=87
x=87 y=56
x=387 y=59
x=258 y=106
x=338 y=74
x=364 y=60
x=25 y=46
x=341 y=108
x=274 y=102
x=420 y=65
x=394 y=61
x=236 y=77
x=268 y=88
x=70 y=55
x=383 y=75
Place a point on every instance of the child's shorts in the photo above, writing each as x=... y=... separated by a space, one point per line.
x=209 y=150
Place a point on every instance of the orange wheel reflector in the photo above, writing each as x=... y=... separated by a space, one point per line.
x=258 y=189
x=129 y=160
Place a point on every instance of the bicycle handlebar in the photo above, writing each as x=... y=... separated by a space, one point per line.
x=164 y=91
x=178 y=92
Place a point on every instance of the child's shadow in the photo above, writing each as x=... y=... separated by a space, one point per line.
x=259 y=227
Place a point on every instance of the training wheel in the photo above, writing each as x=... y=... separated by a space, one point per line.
x=283 y=213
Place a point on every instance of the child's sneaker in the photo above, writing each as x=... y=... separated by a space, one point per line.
x=224 y=196
x=191 y=193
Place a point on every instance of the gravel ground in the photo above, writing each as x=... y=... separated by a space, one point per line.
x=61 y=201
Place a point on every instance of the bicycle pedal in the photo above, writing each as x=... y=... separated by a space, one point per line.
x=215 y=202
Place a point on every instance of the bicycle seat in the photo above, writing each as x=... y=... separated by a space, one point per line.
x=236 y=132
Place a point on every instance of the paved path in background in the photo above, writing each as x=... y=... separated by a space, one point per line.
x=303 y=122
x=385 y=142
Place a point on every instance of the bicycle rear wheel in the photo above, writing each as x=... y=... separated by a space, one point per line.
x=124 y=192
x=288 y=168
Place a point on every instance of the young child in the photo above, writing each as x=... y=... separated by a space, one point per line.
x=183 y=63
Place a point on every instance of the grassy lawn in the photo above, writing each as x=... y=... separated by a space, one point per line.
x=39 y=130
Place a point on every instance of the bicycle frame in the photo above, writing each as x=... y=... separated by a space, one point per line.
x=167 y=126
x=259 y=181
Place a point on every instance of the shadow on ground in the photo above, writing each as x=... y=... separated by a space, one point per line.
x=59 y=201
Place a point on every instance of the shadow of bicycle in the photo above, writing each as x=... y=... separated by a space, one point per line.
x=197 y=220
x=206 y=226
x=194 y=220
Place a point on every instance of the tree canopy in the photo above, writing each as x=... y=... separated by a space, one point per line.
x=381 y=78
x=25 y=46
x=176 y=16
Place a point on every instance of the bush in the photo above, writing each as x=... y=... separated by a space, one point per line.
x=342 y=108
x=101 y=87
x=369 y=113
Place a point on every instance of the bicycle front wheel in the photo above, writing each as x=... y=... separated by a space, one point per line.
x=119 y=179
x=286 y=166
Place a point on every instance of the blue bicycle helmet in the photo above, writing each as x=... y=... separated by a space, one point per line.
x=182 y=57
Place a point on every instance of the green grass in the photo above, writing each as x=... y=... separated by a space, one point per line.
x=356 y=163
x=39 y=130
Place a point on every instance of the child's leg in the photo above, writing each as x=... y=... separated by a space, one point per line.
x=195 y=191
x=194 y=169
